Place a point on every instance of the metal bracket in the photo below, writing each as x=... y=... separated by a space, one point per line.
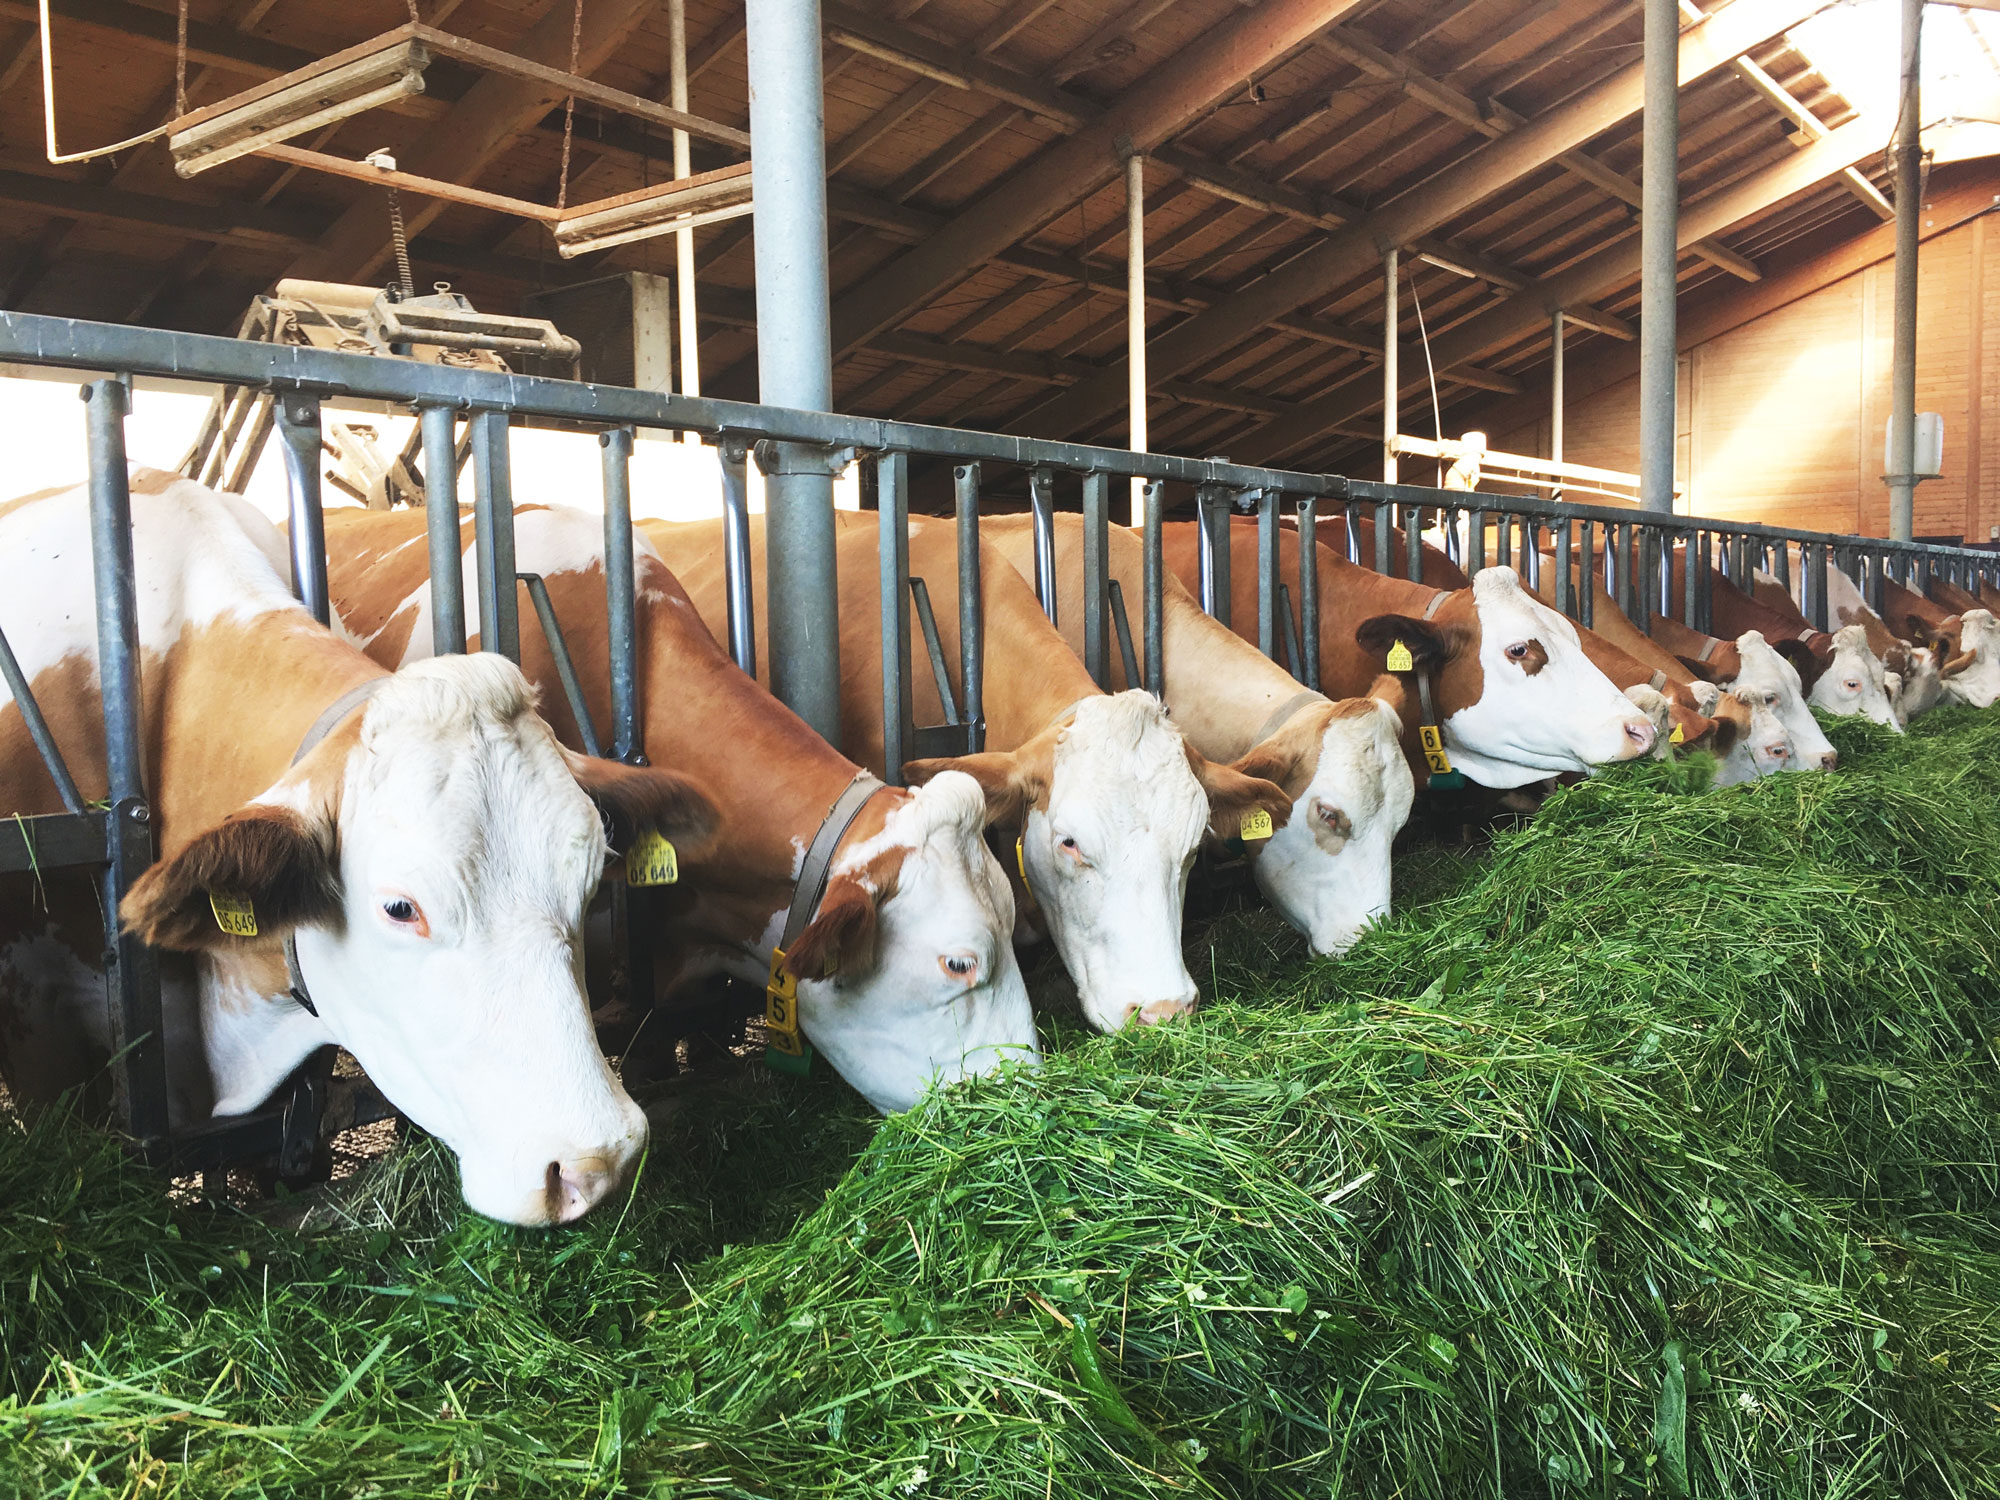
x=803 y=458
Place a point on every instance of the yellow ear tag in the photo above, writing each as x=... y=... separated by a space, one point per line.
x=651 y=861
x=781 y=1009
x=781 y=984
x=1400 y=659
x=1678 y=737
x=1256 y=824
x=1433 y=743
x=233 y=914
x=1021 y=857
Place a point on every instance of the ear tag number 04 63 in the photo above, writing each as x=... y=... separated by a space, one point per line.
x=1433 y=743
x=1256 y=824
x=233 y=914
x=651 y=861
x=1400 y=659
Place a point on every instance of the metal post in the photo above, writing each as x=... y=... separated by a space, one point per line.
x=1267 y=572
x=1154 y=581
x=298 y=426
x=795 y=360
x=1096 y=577
x=1690 y=580
x=971 y=636
x=1413 y=542
x=1135 y=317
x=1556 y=394
x=621 y=585
x=1309 y=589
x=1658 y=254
x=1621 y=566
x=892 y=537
x=1353 y=528
x=493 y=536
x=447 y=550
x=1908 y=151
x=1390 y=378
x=1565 y=588
x=677 y=97
x=1385 y=514
x=1586 y=580
x=1475 y=542
x=1042 y=501
x=1212 y=548
x=737 y=586
x=139 y=1072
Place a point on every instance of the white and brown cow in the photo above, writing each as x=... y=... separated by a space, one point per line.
x=907 y=973
x=1100 y=800
x=1971 y=672
x=1327 y=870
x=431 y=857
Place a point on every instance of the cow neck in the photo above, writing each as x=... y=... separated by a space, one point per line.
x=1223 y=692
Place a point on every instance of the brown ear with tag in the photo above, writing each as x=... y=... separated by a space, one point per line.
x=251 y=879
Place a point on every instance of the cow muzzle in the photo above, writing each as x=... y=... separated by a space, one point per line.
x=574 y=1187
x=1155 y=1011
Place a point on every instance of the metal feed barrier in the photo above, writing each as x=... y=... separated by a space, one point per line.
x=116 y=839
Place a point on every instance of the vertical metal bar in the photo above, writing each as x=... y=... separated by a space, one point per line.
x=1267 y=572
x=892 y=550
x=1096 y=577
x=1531 y=550
x=1811 y=585
x=493 y=536
x=1503 y=540
x=1391 y=379
x=552 y=633
x=447 y=550
x=1875 y=571
x=1556 y=393
x=1413 y=541
x=739 y=587
x=1309 y=589
x=1042 y=501
x=1128 y=658
x=1475 y=542
x=1384 y=521
x=1783 y=558
x=1565 y=589
x=1153 y=582
x=1621 y=569
x=1707 y=586
x=1663 y=547
x=621 y=596
x=139 y=1070
x=1586 y=578
x=971 y=618
x=38 y=728
x=1690 y=580
x=1349 y=514
x=1294 y=655
x=684 y=267
x=1135 y=318
x=298 y=426
x=934 y=649
x=1659 y=211
x=1212 y=547
x=1908 y=153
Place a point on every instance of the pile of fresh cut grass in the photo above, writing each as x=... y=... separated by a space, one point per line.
x=1567 y=1183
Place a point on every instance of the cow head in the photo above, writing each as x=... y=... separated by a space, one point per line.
x=1767 y=678
x=1109 y=805
x=1327 y=869
x=1519 y=699
x=907 y=975
x=1910 y=675
x=1852 y=681
x=1971 y=673
x=432 y=859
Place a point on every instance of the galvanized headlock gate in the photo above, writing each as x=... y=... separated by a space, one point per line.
x=116 y=840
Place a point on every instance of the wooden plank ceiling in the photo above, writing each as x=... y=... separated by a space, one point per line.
x=931 y=106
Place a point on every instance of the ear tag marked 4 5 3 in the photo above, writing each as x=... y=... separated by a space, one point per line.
x=1433 y=743
x=651 y=861
x=785 y=1048
x=1256 y=824
x=1400 y=659
x=233 y=914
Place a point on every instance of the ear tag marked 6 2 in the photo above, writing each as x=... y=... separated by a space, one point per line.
x=233 y=914
x=1400 y=659
x=1433 y=743
x=1256 y=824
x=651 y=861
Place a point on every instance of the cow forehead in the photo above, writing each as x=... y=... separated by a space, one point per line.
x=1763 y=667
x=1978 y=629
x=1356 y=751
x=1120 y=751
x=1505 y=608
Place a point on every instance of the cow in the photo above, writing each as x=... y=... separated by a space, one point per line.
x=1768 y=677
x=1327 y=870
x=1759 y=747
x=396 y=863
x=1854 y=682
x=1100 y=802
x=1516 y=698
x=1972 y=673
x=1910 y=675
x=905 y=972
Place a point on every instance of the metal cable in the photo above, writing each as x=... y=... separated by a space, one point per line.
x=569 y=106
x=400 y=239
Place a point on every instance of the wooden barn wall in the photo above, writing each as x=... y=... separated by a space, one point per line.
x=1781 y=419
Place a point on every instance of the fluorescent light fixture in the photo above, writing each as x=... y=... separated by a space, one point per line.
x=686 y=203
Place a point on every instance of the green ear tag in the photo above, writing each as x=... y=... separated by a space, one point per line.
x=651 y=861
x=1400 y=659
x=233 y=914
x=1256 y=825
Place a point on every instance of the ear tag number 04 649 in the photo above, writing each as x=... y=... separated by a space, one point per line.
x=233 y=914
x=1256 y=824
x=1400 y=659
x=1433 y=743
x=651 y=861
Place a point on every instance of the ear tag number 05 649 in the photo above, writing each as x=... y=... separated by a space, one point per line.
x=1400 y=659
x=233 y=914
x=651 y=861
x=1256 y=824
x=1433 y=743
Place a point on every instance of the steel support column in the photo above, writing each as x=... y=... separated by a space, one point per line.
x=1390 y=377
x=795 y=355
x=1556 y=394
x=1908 y=151
x=1659 y=212
x=1135 y=317
x=677 y=97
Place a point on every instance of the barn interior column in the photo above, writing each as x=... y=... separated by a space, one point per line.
x=677 y=96
x=1135 y=316
x=1390 y=375
x=1903 y=356
x=1556 y=393
x=1659 y=212
x=794 y=353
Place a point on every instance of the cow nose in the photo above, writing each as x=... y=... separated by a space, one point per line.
x=1641 y=733
x=1829 y=760
x=575 y=1187
x=1155 y=1011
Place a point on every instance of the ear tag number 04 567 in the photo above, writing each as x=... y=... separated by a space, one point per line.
x=1400 y=659
x=1256 y=824
x=651 y=861
x=233 y=914
x=1433 y=743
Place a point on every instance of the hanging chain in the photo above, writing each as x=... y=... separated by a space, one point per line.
x=401 y=241
x=181 y=63
x=569 y=108
x=415 y=19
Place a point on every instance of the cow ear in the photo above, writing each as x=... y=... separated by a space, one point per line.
x=246 y=882
x=1956 y=664
x=1234 y=796
x=841 y=936
x=1725 y=728
x=1807 y=662
x=1705 y=670
x=1010 y=781
x=1430 y=645
x=638 y=800
x=1916 y=628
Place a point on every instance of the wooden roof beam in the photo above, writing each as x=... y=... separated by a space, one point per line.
x=1351 y=253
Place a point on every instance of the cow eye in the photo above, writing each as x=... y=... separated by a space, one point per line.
x=1853 y=685
x=959 y=965
x=1518 y=651
x=1068 y=846
x=1770 y=700
x=405 y=913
